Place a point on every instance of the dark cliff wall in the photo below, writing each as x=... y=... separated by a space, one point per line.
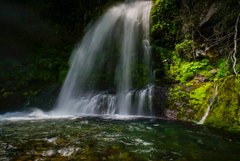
x=36 y=41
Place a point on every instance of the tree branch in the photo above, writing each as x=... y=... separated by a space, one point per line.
x=235 y=45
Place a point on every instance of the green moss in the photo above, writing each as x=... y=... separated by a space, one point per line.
x=179 y=101
x=30 y=93
x=199 y=99
x=184 y=47
x=165 y=22
x=139 y=75
x=184 y=71
x=189 y=84
x=225 y=113
x=223 y=96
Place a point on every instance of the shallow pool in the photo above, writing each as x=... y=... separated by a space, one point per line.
x=113 y=138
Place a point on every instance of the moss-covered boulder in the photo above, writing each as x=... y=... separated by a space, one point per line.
x=199 y=99
x=225 y=112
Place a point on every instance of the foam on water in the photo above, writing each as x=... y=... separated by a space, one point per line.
x=36 y=114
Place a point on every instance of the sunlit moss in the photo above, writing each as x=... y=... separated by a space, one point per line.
x=199 y=99
x=225 y=112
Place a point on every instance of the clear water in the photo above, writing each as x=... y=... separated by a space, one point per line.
x=114 y=138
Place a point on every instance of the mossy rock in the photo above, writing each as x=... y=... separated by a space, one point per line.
x=199 y=99
x=225 y=113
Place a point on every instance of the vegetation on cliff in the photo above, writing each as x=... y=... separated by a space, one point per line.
x=195 y=51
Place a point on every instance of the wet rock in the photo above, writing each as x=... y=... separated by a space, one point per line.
x=160 y=98
x=172 y=114
x=200 y=52
x=213 y=71
x=42 y=96
x=83 y=157
x=46 y=98
x=59 y=141
x=49 y=153
x=201 y=79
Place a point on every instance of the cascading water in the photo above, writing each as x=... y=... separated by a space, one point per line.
x=211 y=101
x=107 y=66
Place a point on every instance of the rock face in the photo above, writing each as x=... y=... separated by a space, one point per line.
x=171 y=114
x=160 y=100
x=12 y=102
x=40 y=97
x=224 y=112
x=223 y=97
x=213 y=71
x=44 y=99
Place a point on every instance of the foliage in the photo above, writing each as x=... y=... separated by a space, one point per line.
x=175 y=36
x=223 y=68
x=223 y=98
x=161 y=53
x=185 y=71
x=164 y=34
x=184 y=49
x=179 y=101
x=189 y=84
x=30 y=93
x=177 y=93
x=199 y=99
x=50 y=66
x=198 y=96
x=140 y=75
x=165 y=23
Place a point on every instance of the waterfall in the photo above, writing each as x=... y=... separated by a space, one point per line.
x=211 y=101
x=105 y=67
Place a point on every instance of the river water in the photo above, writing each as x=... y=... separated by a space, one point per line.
x=113 y=138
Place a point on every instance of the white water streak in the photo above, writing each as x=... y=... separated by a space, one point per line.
x=209 y=107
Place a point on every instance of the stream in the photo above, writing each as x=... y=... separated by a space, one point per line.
x=113 y=138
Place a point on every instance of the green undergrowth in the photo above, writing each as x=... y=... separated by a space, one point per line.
x=222 y=95
x=165 y=22
x=184 y=71
x=179 y=101
x=199 y=99
x=50 y=66
x=165 y=26
x=225 y=112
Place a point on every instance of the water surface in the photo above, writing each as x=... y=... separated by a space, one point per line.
x=114 y=138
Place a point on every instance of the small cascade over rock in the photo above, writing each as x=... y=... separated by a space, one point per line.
x=111 y=64
x=211 y=101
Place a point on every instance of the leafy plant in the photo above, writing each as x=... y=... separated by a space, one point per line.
x=165 y=23
x=184 y=48
x=185 y=71
x=223 y=68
